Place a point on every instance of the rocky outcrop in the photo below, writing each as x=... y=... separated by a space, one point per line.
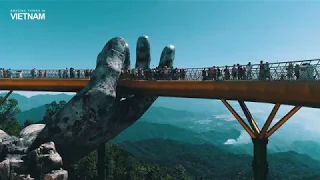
x=56 y=175
x=29 y=133
x=43 y=163
x=2 y=134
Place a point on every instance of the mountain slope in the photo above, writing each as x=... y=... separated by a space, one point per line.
x=184 y=126
x=34 y=114
x=311 y=148
x=213 y=162
x=142 y=130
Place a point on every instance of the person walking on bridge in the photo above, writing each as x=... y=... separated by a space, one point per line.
x=218 y=73
x=204 y=74
x=78 y=73
x=267 y=71
x=20 y=74
x=261 y=71
x=290 y=71
x=9 y=73
x=40 y=74
x=226 y=73
x=234 y=72
x=249 y=71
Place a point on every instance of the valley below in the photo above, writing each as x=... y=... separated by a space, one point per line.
x=203 y=138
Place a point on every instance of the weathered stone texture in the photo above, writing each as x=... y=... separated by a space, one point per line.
x=57 y=175
x=39 y=164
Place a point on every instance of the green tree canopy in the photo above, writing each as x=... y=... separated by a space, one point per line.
x=27 y=123
x=13 y=127
x=8 y=123
x=52 y=109
x=7 y=111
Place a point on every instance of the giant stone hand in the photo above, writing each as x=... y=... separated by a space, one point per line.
x=99 y=112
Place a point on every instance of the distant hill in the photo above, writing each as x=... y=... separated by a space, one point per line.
x=146 y=130
x=185 y=104
x=311 y=148
x=192 y=105
x=161 y=115
x=212 y=162
x=34 y=114
x=38 y=100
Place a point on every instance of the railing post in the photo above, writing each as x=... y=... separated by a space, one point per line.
x=101 y=162
x=260 y=165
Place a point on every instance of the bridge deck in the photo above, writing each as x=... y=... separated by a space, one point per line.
x=302 y=93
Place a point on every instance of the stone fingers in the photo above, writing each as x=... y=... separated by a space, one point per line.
x=126 y=64
x=167 y=57
x=143 y=57
x=135 y=106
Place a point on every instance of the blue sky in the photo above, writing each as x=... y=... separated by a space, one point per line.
x=205 y=33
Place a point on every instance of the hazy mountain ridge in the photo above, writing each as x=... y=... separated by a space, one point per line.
x=38 y=100
x=34 y=114
x=165 y=131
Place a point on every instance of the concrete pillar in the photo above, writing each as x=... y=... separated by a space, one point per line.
x=101 y=162
x=260 y=165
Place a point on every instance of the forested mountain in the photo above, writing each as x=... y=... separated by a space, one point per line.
x=179 y=143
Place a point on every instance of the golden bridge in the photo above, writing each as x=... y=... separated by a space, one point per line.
x=294 y=83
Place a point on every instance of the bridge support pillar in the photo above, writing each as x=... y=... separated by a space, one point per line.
x=260 y=165
x=101 y=164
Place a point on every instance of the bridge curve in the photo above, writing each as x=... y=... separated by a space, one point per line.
x=302 y=93
x=279 y=84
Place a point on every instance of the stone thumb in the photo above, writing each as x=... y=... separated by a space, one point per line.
x=110 y=61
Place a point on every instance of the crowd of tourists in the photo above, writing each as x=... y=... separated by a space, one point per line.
x=239 y=72
x=235 y=72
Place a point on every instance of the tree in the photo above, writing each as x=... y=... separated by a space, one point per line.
x=8 y=109
x=180 y=173
x=52 y=109
x=13 y=127
x=8 y=123
x=27 y=123
x=85 y=168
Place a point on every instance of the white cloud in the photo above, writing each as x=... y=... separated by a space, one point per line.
x=230 y=141
x=244 y=138
x=29 y=94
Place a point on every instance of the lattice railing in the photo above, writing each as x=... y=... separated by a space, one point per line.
x=306 y=70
